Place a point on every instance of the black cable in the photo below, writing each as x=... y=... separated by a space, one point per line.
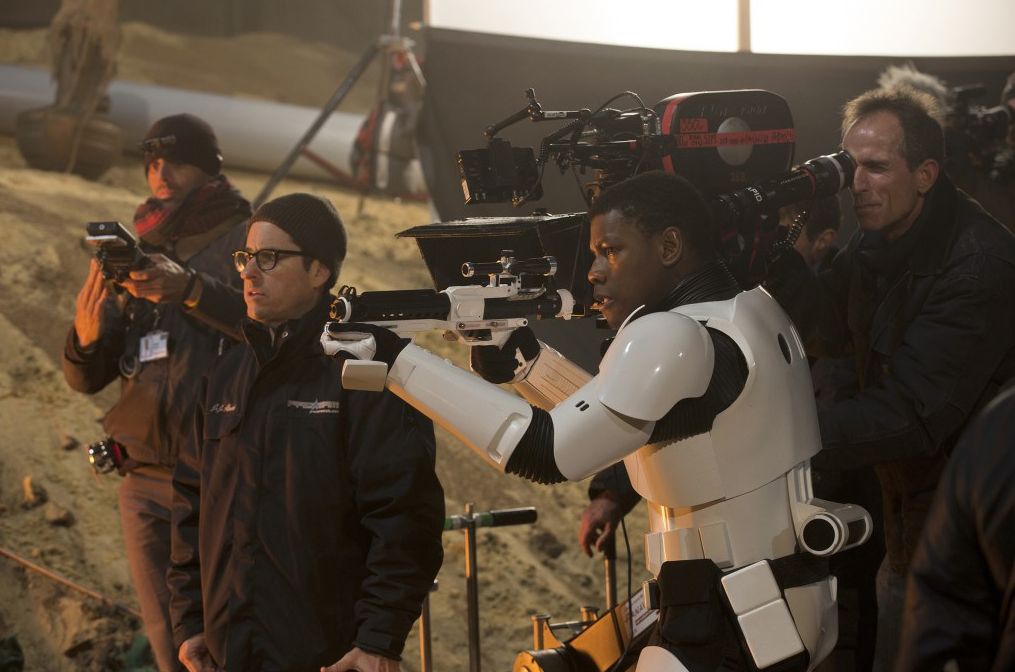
x=792 y=233
x=620 y=95
x=630 y=609
x=581 y=187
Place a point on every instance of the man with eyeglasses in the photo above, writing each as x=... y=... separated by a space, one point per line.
x=306 y=518
x=158 y=332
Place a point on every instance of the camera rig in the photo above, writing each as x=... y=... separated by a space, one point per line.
x=735 y=146
x=977 y=134
x=116 y=250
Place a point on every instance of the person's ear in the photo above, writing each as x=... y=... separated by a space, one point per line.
x=671 y=246
x=319 y=274
x=926 y=175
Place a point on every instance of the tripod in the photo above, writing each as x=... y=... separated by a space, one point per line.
x=391 y=45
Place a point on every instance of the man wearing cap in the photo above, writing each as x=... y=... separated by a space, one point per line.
x=306 y=518
x=158 y=332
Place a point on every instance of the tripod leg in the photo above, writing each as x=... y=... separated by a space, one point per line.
x=329 y=107
x=416 y=70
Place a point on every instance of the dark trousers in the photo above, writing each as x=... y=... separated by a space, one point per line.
x=145 y=506
x=891 y=602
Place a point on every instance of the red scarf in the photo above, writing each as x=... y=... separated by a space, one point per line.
x=201 y=210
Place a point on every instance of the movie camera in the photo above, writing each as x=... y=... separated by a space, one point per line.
x=735 y=146
x=977 y=133
x=116 y=250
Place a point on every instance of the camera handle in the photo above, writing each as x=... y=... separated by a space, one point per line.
x=535 y=112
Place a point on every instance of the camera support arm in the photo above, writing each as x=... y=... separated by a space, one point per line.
x=535 y=112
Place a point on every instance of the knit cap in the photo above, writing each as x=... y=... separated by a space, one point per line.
x=312 y=222
x=183 y=138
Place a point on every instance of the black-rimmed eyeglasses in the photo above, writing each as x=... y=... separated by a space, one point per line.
x=265 y=258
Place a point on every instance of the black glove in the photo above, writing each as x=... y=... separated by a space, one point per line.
x=500 y=365
x=387 y=345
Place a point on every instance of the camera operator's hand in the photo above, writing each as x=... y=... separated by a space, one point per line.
x=88 y=307
x=195 y=656
x=163 y=281
x=504 y=365
x=599 y=523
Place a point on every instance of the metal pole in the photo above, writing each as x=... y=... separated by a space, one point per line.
x=610 y=572
x=64 y=581
x=472 y=589
x=744 y=26
x=336 y=99
x=539 y=623
x=425 y=648
x=396 y=18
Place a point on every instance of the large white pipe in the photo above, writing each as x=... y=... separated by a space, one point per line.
x=252 y=134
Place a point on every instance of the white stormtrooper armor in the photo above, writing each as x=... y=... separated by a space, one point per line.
x=738 y=494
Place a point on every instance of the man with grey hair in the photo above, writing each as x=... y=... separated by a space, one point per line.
x=972 y=161
x=922 y=298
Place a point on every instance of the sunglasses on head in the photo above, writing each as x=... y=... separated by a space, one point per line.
x=157 y=145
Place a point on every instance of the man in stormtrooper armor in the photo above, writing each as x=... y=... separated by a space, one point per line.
x=706 y=396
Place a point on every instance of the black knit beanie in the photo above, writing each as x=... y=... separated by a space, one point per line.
x=183 y=138
x=313 y=223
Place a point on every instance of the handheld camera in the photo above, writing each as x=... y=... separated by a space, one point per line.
x=116 y=250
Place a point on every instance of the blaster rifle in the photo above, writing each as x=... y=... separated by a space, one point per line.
x=475 y=314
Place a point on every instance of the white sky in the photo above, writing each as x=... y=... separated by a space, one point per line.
x=844 y=27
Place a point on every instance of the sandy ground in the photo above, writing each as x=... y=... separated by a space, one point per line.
x=255 y=65
x=522 y=570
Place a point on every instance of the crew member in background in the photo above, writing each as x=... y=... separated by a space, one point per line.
x=159 y=337
x=959 y=598
x=981 y=165
x=923 y=298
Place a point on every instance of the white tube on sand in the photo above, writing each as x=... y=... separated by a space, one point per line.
x=253 y=134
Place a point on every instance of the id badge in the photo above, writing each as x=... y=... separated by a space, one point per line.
x=154 y=345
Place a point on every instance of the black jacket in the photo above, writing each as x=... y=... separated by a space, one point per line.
x=154 y=413
x=306 y=518
x=930 y=322
x=960 y=602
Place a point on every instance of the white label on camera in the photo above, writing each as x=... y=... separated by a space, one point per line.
x=154 y=345
x=643 y=618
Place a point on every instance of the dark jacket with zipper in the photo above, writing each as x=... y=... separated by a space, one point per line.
x=930 y=322
x=307 y=518
x=960 y=600
x=154 y=413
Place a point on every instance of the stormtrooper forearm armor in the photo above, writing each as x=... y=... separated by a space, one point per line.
x=549 y=378
x=608 y=417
